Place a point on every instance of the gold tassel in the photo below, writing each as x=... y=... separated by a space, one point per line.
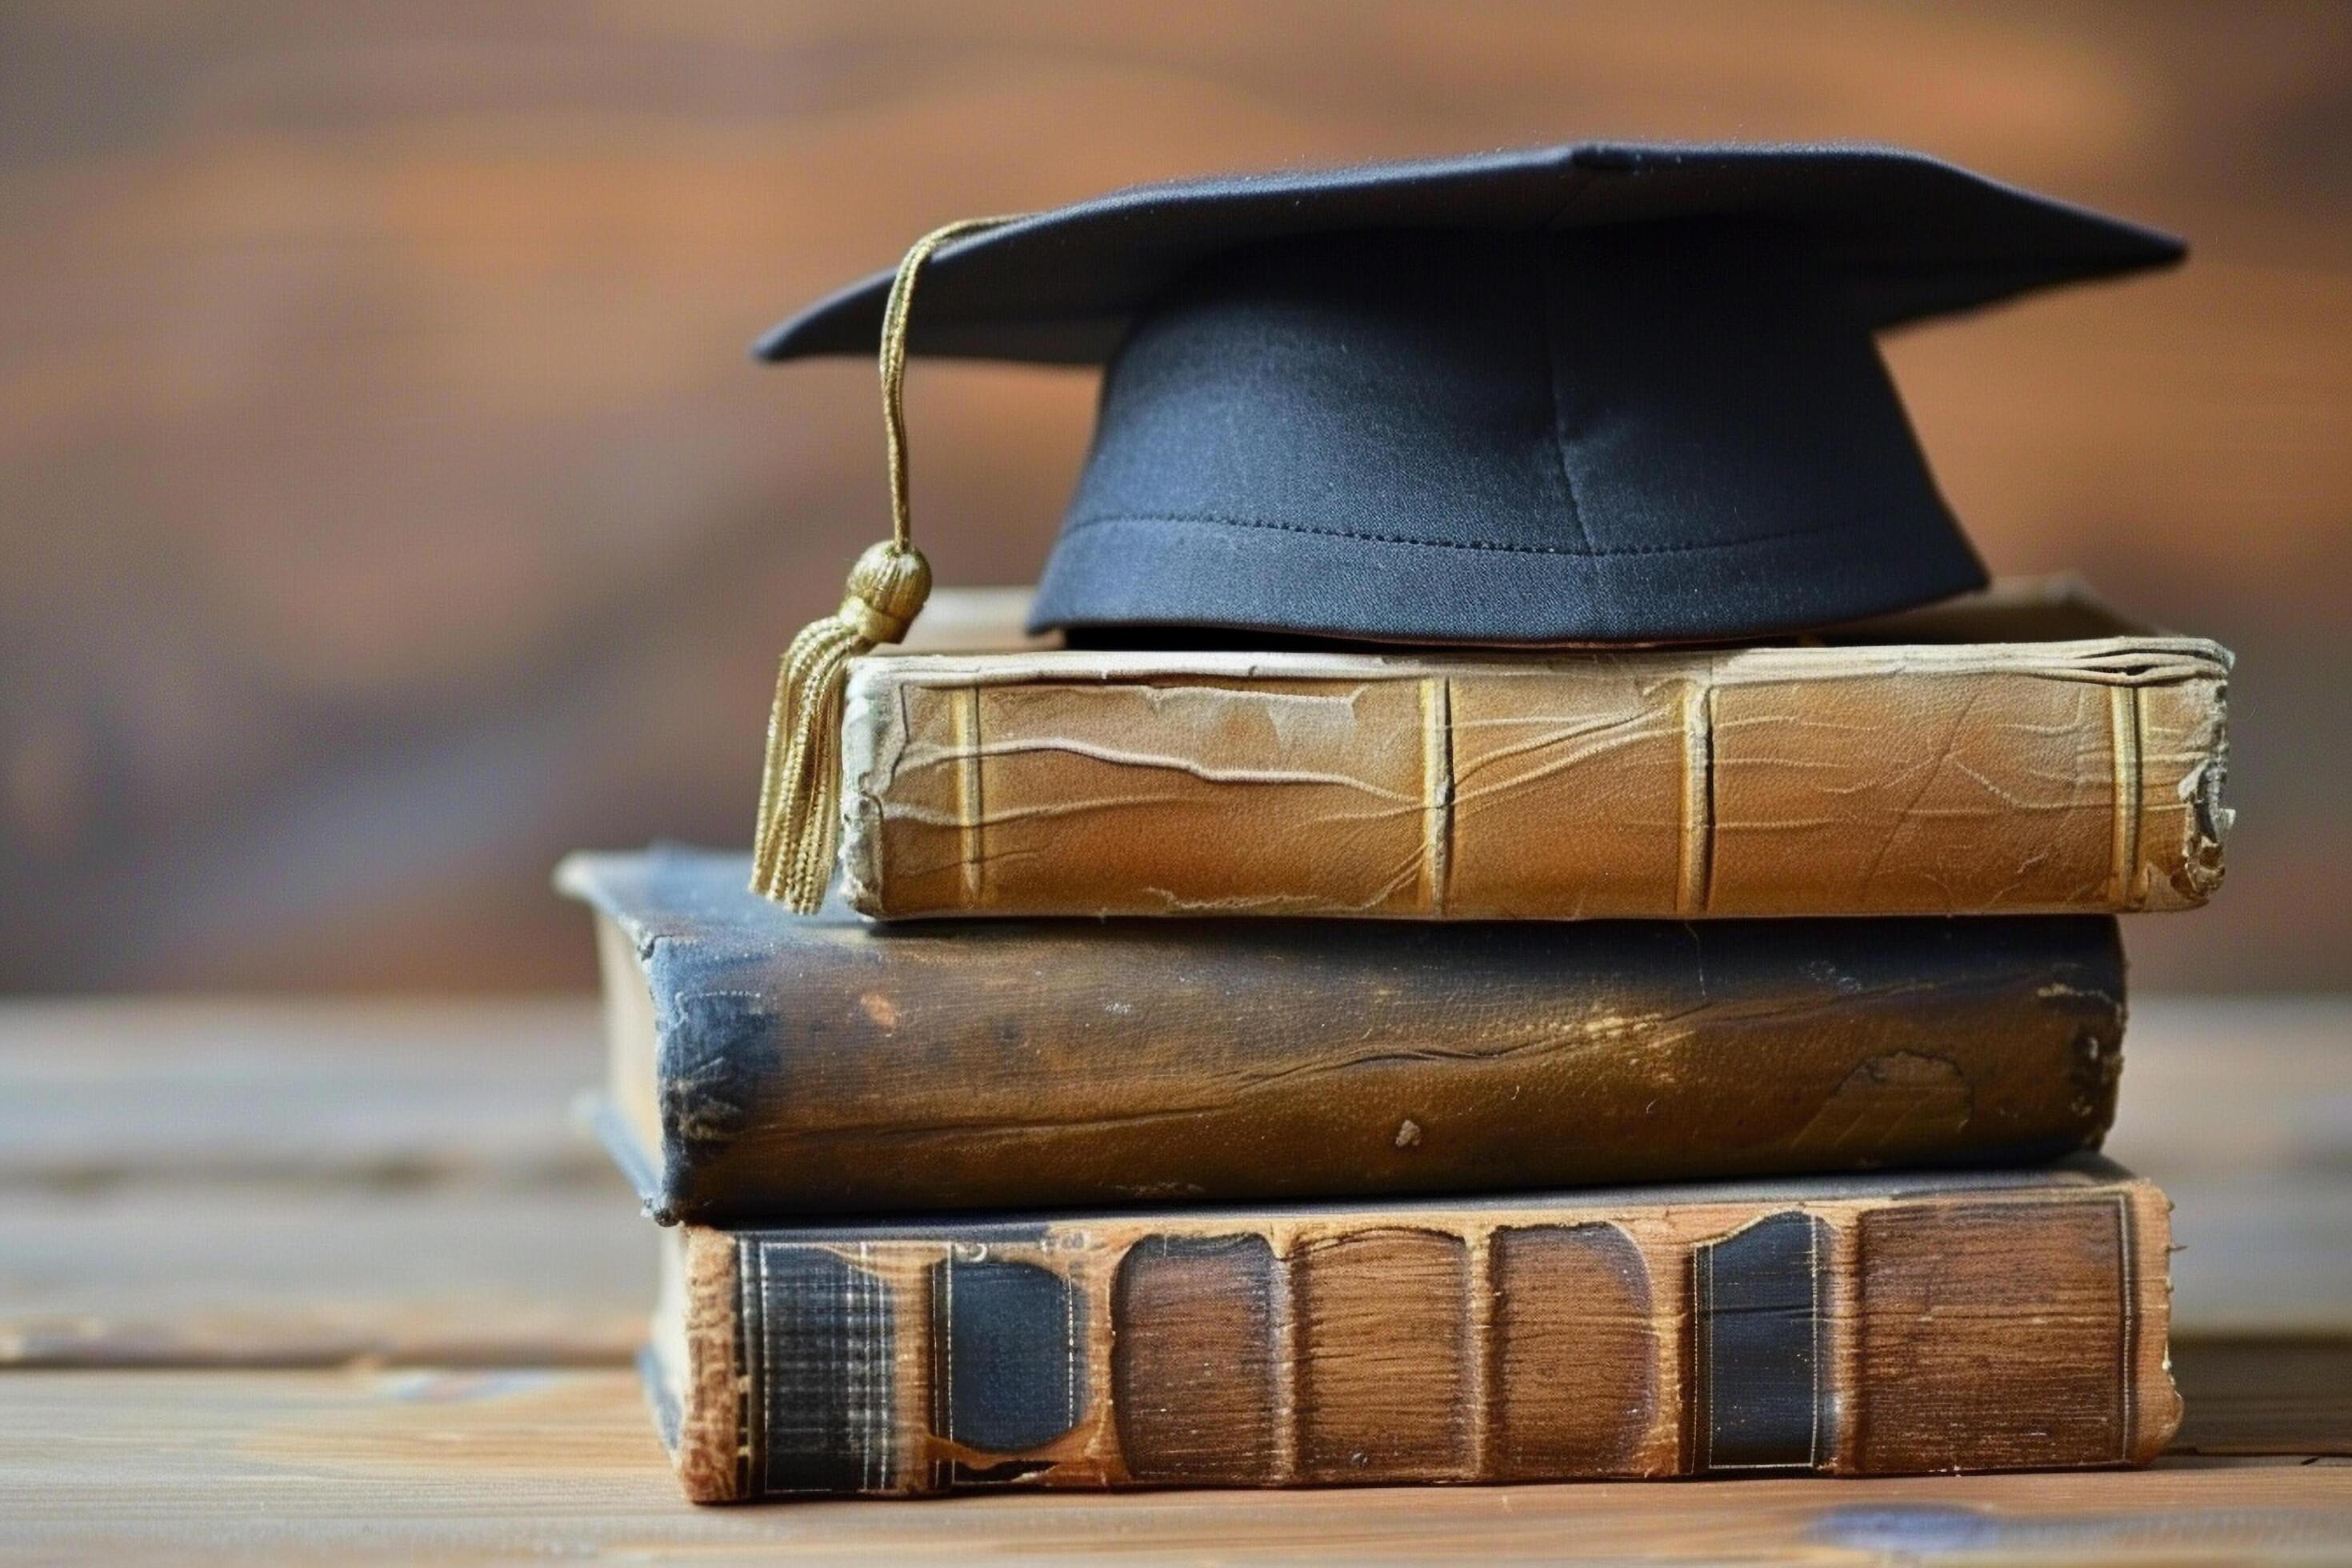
x=800 y=790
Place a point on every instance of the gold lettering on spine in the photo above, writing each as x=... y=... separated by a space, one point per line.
x=970 y=802
x=1436 y=792
x=2124 y=721
x=1698 y=798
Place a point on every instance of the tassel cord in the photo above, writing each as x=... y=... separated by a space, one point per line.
x=800 y=787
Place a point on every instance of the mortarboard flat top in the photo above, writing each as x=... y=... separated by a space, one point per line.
x=1587 y=394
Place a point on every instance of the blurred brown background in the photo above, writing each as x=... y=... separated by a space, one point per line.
x=389 y=505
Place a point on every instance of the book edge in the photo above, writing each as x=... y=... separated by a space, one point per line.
x=2109 y=660
x=712 y=1454
x=2157 y=1405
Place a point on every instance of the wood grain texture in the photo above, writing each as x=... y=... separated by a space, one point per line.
x=227 y=1275
x=2238 y=1106
x=1575 y=1366
x=310 y=1184
x=1384 y=1330
x=1383 y=1355
x=292 y=1094
x=1852 y=778
x=2251 y=1396
x=1933 y=1388
x=479 y=1466
x=1196 y=1390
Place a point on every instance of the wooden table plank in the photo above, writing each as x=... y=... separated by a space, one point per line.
x=221 y=1275
x=2265 y=1396
x=397 y=1465
x=2231 y=1085
x=310 y=1184
x=2241 y=1108
x=400 y=1092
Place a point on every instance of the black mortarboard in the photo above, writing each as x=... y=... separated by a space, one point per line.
x=1588 y=394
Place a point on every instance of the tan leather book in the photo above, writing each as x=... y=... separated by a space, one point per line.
x=2024 y=752
x=767 y=1064
x=1974 y=1320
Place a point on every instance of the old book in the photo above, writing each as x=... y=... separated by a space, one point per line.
x=2023 y=752
x=764 y=1063
x=1966 y=1322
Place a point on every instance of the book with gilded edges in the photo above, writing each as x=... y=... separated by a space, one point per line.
x=2026 y=752
x=1961 y=1321
x=767 y=1064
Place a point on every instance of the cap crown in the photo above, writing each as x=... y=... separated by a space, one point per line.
x=1672 y=431
x=1590 y=394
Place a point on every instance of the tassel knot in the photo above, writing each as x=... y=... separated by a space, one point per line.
x=886 y=590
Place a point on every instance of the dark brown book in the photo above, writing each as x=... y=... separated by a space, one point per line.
x=766 y=1063
x=1956 y=1322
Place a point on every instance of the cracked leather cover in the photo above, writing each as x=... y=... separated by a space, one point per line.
x=2027 y=777
x=824 y=1064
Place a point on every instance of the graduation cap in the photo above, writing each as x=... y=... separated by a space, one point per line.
x=1594 y=394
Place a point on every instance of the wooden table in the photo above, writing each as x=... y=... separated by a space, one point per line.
x=343 y=1282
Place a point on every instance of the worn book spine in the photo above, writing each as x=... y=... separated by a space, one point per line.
x=766 y=1063
x=1934 y=780
x=1519 y=1340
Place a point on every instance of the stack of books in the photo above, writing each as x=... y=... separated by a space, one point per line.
x=1262 y=1060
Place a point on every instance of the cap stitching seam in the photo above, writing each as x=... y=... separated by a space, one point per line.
x=1580 y=180
x=1558 y=412
x=1077 y=524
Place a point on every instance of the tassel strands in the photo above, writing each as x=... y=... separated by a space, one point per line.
x=799 y=789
